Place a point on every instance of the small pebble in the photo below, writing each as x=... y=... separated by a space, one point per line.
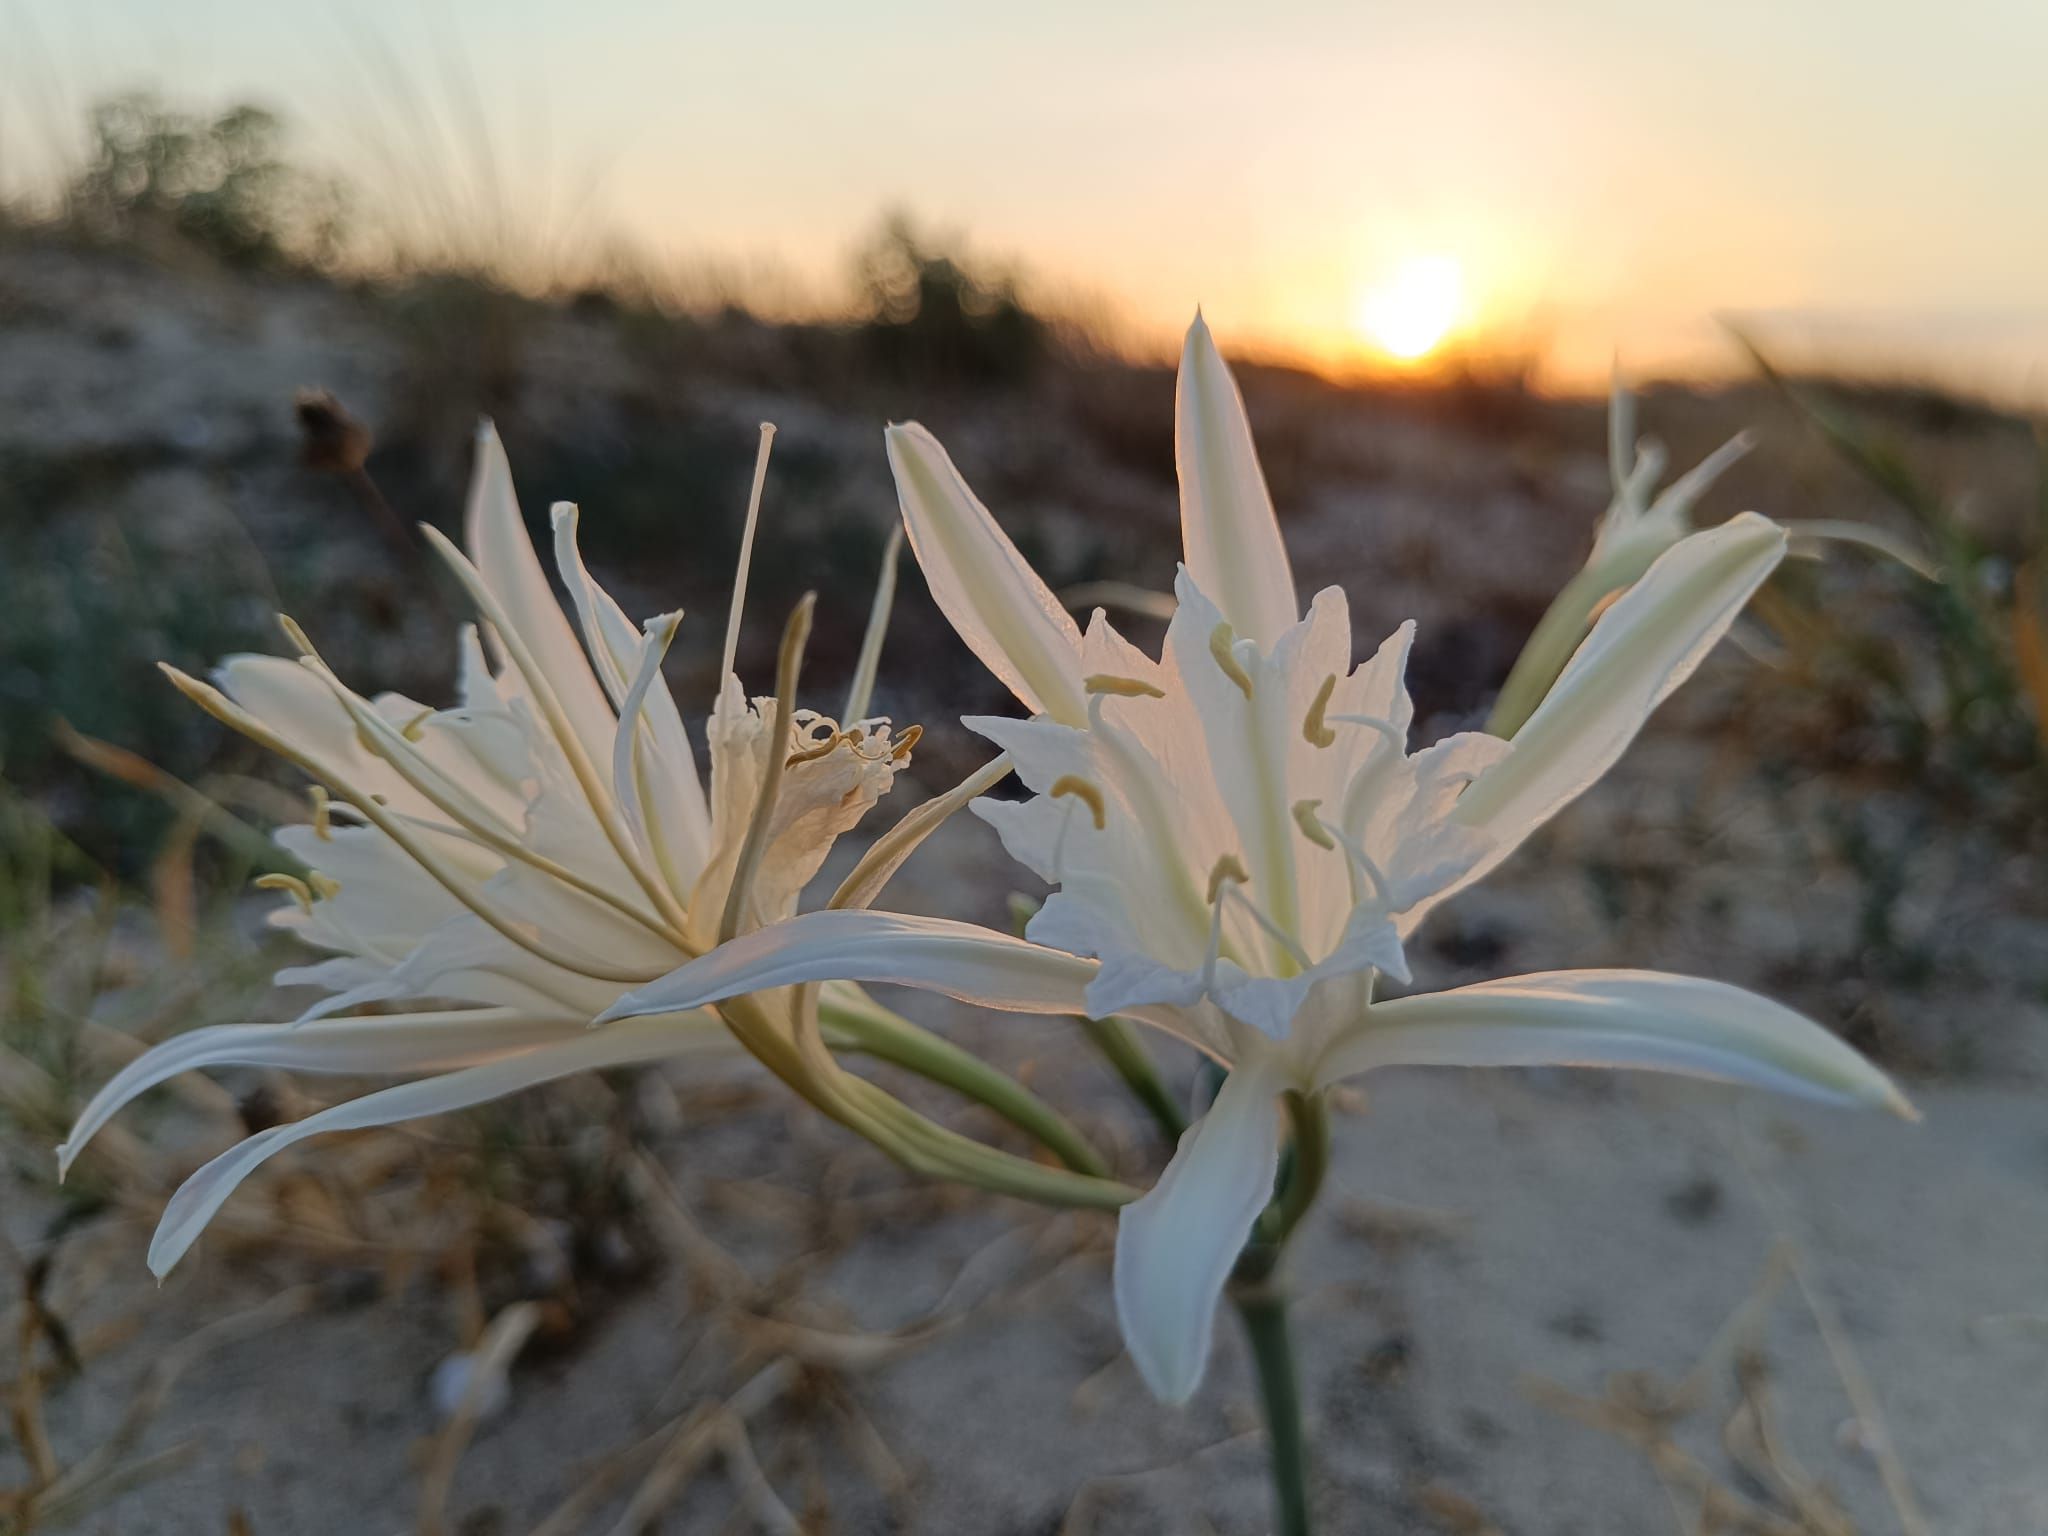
x=451 y=1380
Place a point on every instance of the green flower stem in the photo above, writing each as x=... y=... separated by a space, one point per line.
x=1264 y=1310
x=1256 y=1292
x=886 y=1036
x=1123 y=1050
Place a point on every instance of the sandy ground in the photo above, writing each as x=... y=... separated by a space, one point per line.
x=1484 y=1234
x=1489 y=1240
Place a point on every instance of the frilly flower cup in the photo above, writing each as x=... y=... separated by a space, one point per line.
x=1241 y=843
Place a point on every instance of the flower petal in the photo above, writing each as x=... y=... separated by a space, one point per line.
x=1641 y=1019
x=495 y=534
x=382 y=1044
x=974 y=964
x=1643 y=647
x=615 y=645
x=196 y=1200
x=1230 y=536
x=986 y=589
x=1175 y=1246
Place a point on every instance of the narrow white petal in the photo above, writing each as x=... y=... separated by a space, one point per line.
x=1229 y=533
x=614 y=644
x=635 y=768
x=959 y=959
x=193 y=1206
x=1641 y=1019
x=1643 y=647
x=1006 y=614
x=1175 y=1246
x=494 y=532
x=393 y=1044
x=860 y=692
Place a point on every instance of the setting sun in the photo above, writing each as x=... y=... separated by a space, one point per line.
x=1408 y=314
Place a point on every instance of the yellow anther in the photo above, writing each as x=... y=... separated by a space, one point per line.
x=1230 y=868
x=910 y=738
x=325 y=887
x=411 y=729
x=1311 y=825
x=300 y=891
x=1122 y=687
x=1221 y=638
x=1073 y=784
x=812 y=754
x=323 y=825
x=1313 y=729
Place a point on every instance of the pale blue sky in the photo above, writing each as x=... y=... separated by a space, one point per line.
x=1605 y=173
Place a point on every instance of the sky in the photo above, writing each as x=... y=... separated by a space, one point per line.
x=1571 y=181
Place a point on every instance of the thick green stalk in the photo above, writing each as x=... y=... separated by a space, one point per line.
x=1264 y=1310
x=1260 y=1299
x=875 y=1031
x=1310 y=1118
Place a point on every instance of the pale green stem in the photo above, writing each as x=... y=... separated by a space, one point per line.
x=1261 y=1301
x=875 y=1031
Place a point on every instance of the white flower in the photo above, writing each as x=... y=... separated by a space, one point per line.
x=519 y=860
x=1241 y=841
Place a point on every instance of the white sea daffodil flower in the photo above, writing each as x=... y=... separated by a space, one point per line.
x=517 y=861
x=1242 y=842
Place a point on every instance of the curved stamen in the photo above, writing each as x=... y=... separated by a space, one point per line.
x=1362 y=863
x=1222 y=639
x=468 y=815
x=1313 y=729
x=1286 y=941
x=1099 y=683
x=300 y=891
x=1227 y=880
x=392 y=825
x=1082 y=790
x=1311 y=825
x=1228 y=870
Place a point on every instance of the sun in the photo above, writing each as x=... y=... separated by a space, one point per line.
x=1408 y=314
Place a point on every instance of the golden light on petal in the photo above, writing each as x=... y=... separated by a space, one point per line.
x=1408 y=314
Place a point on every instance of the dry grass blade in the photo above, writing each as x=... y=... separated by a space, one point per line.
x=695 y=1438
x=1642 y=1411
x=1080 y=1519
x=105 y=1473
x=702 y=1259
x=1842 y=1354
x=756 y=1495
x=200 y=809
x=488 y=1363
